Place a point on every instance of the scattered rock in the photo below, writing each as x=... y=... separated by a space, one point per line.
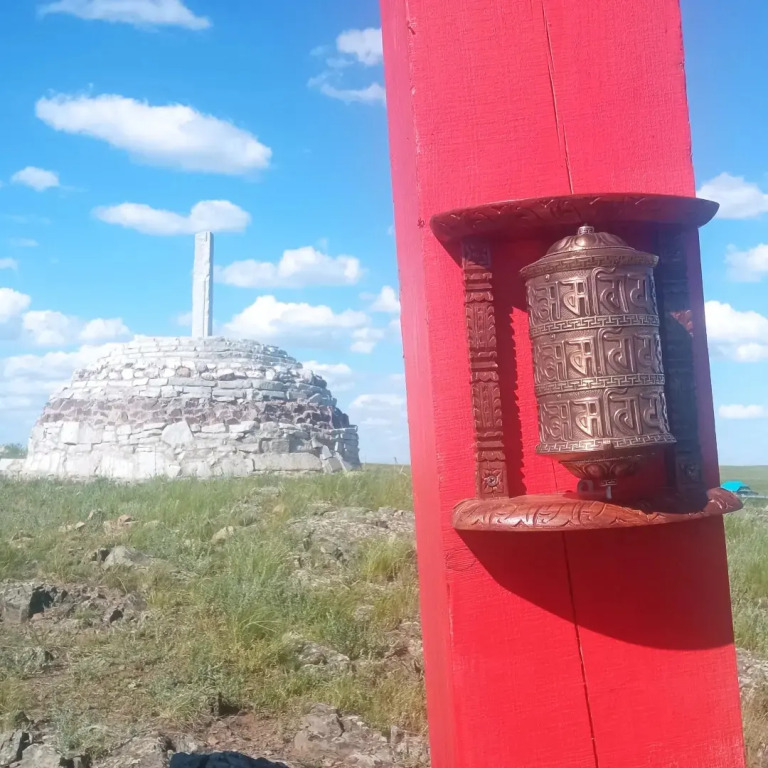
x=332 y=536
x=19 y=602
x=315 y=657
x=101 y=554
x=42 y=756
x=11 y=746
x=320 y=729
x=72 y=607
x=185 y=744
x=408 y=747
x=139 y=752
x=123 y=523
x=72 y=527
x=753 y=672
x=28 y=661
x=126 y=557
x=223 y=534
x=326 y=736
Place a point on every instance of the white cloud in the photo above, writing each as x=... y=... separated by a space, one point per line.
x=173 y=135
x=9 y=264
x=371 y=94
x=12 y=307
x=380 y=402
x=140 y=13
x=366 y=339
x=386 y=301
x=355 y=46
x=338 y=376
x=364 y=44
x=12 y=304
x=276 y=322
x=743 y=412
x=747 y=266
x=297 y=268
x=384 y=414
x=26 y=381
x=738 y=198
x=37 y=178
x=102 y=329
x=51 y=366
x=736 y=335
x=213 y=215
x=23 y=242
x=15 y=404
x=48 y=328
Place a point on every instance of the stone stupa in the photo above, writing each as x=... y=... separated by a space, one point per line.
x=191 y=407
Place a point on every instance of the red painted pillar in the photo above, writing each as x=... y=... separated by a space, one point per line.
x=596 y=649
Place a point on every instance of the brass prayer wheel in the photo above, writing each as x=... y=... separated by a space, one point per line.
x=597 y=357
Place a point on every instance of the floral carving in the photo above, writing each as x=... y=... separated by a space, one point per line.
x=558 y=512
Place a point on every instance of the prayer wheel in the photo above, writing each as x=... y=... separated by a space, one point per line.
x=597 y=359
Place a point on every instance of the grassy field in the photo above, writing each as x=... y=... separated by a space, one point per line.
x=224 y=618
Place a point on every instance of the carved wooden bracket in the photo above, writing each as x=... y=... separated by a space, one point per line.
x=670 y=218
x=486 y=395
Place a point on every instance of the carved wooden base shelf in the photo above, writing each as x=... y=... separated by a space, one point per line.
x=567 y=511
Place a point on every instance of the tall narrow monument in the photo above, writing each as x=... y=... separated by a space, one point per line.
x=202 y=286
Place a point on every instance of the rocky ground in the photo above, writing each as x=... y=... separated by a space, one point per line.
x=50 y=627
x=272 y=621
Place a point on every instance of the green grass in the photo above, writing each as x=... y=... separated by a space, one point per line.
x=223 y=618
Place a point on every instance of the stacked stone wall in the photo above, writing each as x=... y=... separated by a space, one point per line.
x=191 y=407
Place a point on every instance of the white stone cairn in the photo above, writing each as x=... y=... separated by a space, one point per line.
x=202 y=286
x=181 y=407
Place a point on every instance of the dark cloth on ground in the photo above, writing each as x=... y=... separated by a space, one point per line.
x=221 y=760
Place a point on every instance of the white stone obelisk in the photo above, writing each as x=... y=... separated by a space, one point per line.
x=202 y=286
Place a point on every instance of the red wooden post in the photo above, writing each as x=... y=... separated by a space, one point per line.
x=596 y=649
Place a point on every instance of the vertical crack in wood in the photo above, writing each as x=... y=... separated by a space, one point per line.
x=490 y=457
x=578 y=644
x=561 y=134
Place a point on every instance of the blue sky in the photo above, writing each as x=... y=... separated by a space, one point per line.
x=129 y=124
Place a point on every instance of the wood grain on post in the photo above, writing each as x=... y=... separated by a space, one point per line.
x=596 y=649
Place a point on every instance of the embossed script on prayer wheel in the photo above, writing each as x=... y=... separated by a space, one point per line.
x=597 y=359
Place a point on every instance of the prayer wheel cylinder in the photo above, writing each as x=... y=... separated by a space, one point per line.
x=597 y=358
